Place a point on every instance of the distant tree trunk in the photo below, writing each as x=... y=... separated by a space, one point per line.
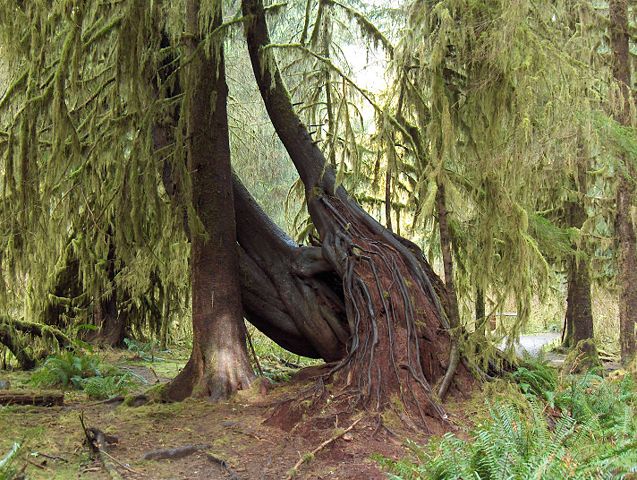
x=480 y=316
x=453 y=312
x=400 y=342
x=107 y=315
x=388 y=199
x=627 y=261
x=67 y=288
x=579 y=312
x=219 y=364
x=578 y=323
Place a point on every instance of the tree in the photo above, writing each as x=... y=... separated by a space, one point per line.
x=219 y=364
x=400 y=341
x=627 y=257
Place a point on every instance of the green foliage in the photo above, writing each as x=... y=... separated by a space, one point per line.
x=107 y=387
x=83 y=372
x=581 y=428
x=143 y=350
x=7 y=470
x=536 y=378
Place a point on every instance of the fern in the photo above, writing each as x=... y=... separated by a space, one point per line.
x=594 y=436
x=83 y=372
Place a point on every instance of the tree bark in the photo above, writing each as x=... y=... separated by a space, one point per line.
x=579 y=310
x=400 y=342
x=219 y=364
x=627 y=261
x=107 y=314
x=289 y=292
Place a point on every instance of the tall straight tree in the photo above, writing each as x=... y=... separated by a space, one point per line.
x=219 y=363
x=578 y=323
x=627 y=257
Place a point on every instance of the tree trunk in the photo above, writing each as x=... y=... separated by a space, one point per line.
x=579 y=311
x=480 y=314
x=400 y=342
x=627 y=261
x=450 y=290
x=219 y=364
x=107 y=314
x=289 y=292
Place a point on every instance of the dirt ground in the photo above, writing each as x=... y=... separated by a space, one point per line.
x=254 y=436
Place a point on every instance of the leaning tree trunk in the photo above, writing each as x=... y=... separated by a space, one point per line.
x=289 y=292
x=627 y=262
x=219 y=364
x=400 y=341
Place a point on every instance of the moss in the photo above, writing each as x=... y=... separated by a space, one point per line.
x=582 y=357
x=391 y=419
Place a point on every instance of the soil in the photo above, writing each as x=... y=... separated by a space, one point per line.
x=259 y=434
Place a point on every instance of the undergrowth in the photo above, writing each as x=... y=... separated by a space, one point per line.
x=572 y=427
x=85 y=372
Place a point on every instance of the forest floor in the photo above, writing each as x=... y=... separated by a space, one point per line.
x=249 y=437
x=254 y=436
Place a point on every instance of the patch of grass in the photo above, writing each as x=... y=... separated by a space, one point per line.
x=575 y=427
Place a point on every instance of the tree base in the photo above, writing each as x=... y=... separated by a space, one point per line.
x=217 y=380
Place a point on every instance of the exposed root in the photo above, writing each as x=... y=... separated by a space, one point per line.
x=305 y=458
x=173 y=453
x=392 y=317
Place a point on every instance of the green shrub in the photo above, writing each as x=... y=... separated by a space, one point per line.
x=68 y=369
x=108 y=387
x=536 y=378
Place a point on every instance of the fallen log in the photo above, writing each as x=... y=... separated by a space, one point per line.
x=40 y=399
x=173 y=453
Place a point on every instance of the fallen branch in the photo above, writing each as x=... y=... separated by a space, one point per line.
x=39 y=330
x=173 y=453
x=50 y=457
x=41 y=399
x=307 y=457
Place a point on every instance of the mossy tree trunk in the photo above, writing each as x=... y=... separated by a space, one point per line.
x=219 y=364
x=625 y=231
x=578 y=323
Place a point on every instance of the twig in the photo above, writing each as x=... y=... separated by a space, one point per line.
x=51 y=457
x=37 y=465
x=313 y=453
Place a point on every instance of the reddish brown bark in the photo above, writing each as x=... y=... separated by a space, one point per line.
x=400 y=343
x=218 y=365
